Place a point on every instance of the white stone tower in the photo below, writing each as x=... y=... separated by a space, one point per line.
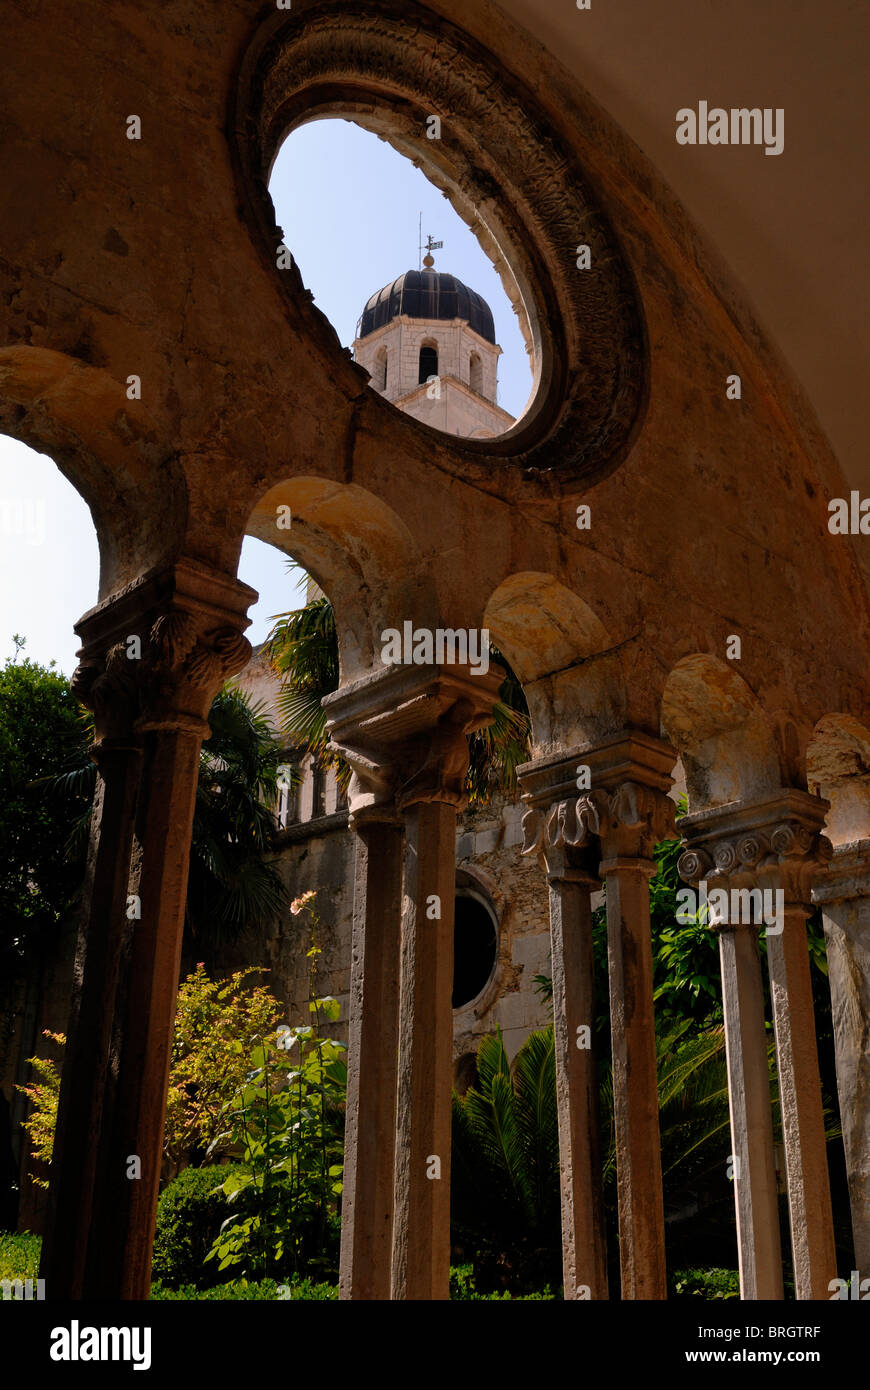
x=428 y=343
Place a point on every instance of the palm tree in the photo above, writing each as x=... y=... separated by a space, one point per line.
x=231 y=886
x=303 y=649
x=505 y=1192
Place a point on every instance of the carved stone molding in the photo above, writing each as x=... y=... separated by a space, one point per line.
x=772 y=844
x=556 y=836
x=388 y=66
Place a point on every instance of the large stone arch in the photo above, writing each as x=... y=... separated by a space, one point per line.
x=108 y=449
x=360 y=553
x=547 y=632
x=838 y=768
x=725 y=739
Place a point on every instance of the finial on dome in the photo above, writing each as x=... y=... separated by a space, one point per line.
x=428 y=260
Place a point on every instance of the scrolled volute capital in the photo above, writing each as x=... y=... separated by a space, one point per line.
x=694 y=865
x=790 y=838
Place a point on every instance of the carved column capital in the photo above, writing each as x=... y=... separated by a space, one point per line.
x=775 y=843
x=404 y=730
x=845 y=876
x=154 y=655
x=610 y=799
x=564 y=840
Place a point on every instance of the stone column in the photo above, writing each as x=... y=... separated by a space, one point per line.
x=188 y=641
x=777 y=847
x=373 y=1028
x=752 y=1154
x=416 y=720
x=552 y=832
x=421 y=1233
x=628 y=807
x=103 y=681
x=843 y=892
x=373 y=1024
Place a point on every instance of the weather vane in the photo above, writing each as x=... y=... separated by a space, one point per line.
x=431 y=246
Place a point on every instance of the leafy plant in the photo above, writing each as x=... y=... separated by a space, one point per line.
x=19 y=1254
x=40 y=727
x=705 y=1283
x=43 y=1095
x=231 y=886
x=505 y=1187
x=288 y=1126
x=216 y=1025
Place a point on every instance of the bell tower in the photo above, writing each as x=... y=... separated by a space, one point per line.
x=428 y=343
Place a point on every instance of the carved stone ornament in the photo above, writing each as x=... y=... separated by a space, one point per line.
x=441 y=776
x=169 y=684
x=784 y=855
x=371 y=793
x=629 y=821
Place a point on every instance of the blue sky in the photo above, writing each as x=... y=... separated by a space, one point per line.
x=349 y=207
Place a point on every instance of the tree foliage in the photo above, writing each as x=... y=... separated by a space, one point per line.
x=43 y=1094
x=217 y=1022
x=40 y=729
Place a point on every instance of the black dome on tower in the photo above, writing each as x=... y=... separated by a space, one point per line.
x=427 y=294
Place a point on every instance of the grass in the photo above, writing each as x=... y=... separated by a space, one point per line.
x=19 y=1259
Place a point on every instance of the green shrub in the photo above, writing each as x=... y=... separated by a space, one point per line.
x=19 y=1254
x=189 y=1216
x=288 y=1126
x=705 y=1283
x=463 y=1288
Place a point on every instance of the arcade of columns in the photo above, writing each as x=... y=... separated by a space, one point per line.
x=707 y=520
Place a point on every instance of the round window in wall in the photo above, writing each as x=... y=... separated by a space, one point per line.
x=475 y=949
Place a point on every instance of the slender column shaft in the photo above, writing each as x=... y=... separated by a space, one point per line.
x=635 y=1086
x=758 y=1240
x=82 y=1088
x=367 y=1199
x=847 y=929
x=844 y=893
x=584 y=1259
x=119 y=1260
x=421 y=1230
x=809 y=1195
